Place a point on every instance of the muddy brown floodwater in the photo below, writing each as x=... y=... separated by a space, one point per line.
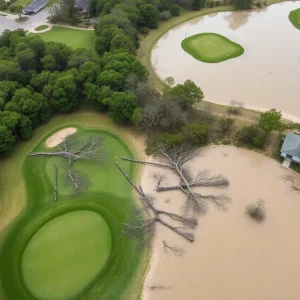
x=233 y=257
x=265 y=76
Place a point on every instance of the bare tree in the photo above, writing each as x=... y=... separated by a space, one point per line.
x=256 y=210
x=141 y=226
x=174 y=159
x=294 y=183
x=175 y=250
x=235 y=107
x=73 y=150
x=158 y=287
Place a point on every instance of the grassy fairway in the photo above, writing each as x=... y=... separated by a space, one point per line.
x=47 y=259
x=294 y=17
x=75 y=38
x=211 y=47
x=69 y=243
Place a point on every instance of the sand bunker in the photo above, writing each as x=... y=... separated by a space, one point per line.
x=59 y=136
x=233 y=257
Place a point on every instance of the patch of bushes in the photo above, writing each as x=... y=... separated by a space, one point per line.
x=226 y=124
x=252 y=136
x=165 y=15
x=196 y=133
x=175 y=10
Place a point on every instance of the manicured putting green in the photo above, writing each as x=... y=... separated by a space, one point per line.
x=294 y=17
x=211 y=47
x=66 y=254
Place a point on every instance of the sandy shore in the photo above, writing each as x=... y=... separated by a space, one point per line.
x=233 y=257
x=59 y=136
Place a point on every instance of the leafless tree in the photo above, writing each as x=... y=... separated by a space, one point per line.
x=174 y=159
x=73 y=150
x=294 y=183
x=235 y=107
x=256 y=210
x=175 y=250
x=158 y=287
x=141 y=225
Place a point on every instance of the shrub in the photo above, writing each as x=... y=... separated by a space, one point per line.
x=144 y=31
x=226 y=124
x=12 y=8
x=258 y=4
x=235 y=107
x=252 y=135
x=270 y=120
x=217 y=3
x=256 y=210
x=175 y=10
x=165 y=15
x=169 y=140
x=196 y=133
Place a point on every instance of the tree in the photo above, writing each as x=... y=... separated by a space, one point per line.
x=19 y=10
x=111 y=78
x=123 y=43
x=243 y=4
x=65 y=94
x=197 y=4
x=196 y=133
x=257 y=210
x=122 y=106
x=149 y=16
x=7 y=140
x=226 y=124
x=235 y=107
x=270 y=120
x=252 y=135
x=186 y=94
x=175 y=10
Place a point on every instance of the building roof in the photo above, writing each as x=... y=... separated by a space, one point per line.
x=291 y=145
x=82 y=4
x=36 y=4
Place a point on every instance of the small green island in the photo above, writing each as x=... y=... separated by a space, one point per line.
x=211 y=47
x=294 y=17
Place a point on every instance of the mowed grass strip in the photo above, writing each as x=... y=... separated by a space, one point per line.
x=75 y=245
x=41 y=27
x=211 y=47
x=294 y=17
x=75 y=38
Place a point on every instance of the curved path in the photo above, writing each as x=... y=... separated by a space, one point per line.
x=265 y=76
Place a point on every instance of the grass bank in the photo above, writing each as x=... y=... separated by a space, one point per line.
x=294 y=17
x=75 y=38
x=32 y=201
x=211 y=47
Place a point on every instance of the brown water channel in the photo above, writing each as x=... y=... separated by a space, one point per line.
x=265 y=76
x=233 y=257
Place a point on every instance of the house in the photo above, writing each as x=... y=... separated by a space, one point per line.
x=290 y=149
x=34 y=7
x=82 y=6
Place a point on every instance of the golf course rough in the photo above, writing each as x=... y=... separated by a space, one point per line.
x=294 y=17
x=74 y=246
x=79 y=237
x=211 y=47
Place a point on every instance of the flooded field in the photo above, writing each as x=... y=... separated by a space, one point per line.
x=265 y=76
x=233 y=257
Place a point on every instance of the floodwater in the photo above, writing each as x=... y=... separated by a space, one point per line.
x=265 y=76
x=233 y=257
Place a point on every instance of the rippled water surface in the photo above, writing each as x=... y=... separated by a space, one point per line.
x=266 y=76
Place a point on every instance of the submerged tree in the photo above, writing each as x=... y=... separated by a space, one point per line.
x=72 y=150
x=257 y=210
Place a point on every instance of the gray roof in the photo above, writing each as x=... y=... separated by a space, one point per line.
x=291 y=145
x=34 y=5
x=82 y=4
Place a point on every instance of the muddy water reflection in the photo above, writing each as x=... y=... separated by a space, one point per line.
x=233 y=257
x=265 y=76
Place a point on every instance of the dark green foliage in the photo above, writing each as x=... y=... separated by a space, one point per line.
x=252 y=136
x=270 y=120
x=149 y=16
x=175 y=10
x=7 y=140
x=111 y=78
x=168 y=140
x=226 y=124
x=196 y=133
x=243 y=4
x=197 y=4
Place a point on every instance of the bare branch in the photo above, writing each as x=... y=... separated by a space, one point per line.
x=294 y=184
x=176 y=250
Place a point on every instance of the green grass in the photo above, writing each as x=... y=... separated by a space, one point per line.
x=211 y=47
x=47 y=259
x=75 y=38
x=294 y=17
x=122 y=275
x=22 y=2
x=41 y=27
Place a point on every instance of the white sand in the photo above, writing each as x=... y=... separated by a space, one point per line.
x=233 y=257
x=59 y=136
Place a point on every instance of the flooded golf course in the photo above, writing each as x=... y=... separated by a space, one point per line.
x=265 y=76
x=233 y=256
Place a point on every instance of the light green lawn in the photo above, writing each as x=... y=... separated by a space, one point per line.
x=75 y=38
x=211 y=47
x=75 y=246
x=294 y=17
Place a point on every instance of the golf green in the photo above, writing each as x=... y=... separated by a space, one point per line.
x=211 y=47
x=294 y=17
x=66 y=254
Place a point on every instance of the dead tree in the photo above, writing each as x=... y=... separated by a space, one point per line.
x=141 y=226
x=174 y=159
x=73 y=150
x=176 y=250
x=294 y=183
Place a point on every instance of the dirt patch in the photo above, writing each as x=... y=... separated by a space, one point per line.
x=59 y=136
